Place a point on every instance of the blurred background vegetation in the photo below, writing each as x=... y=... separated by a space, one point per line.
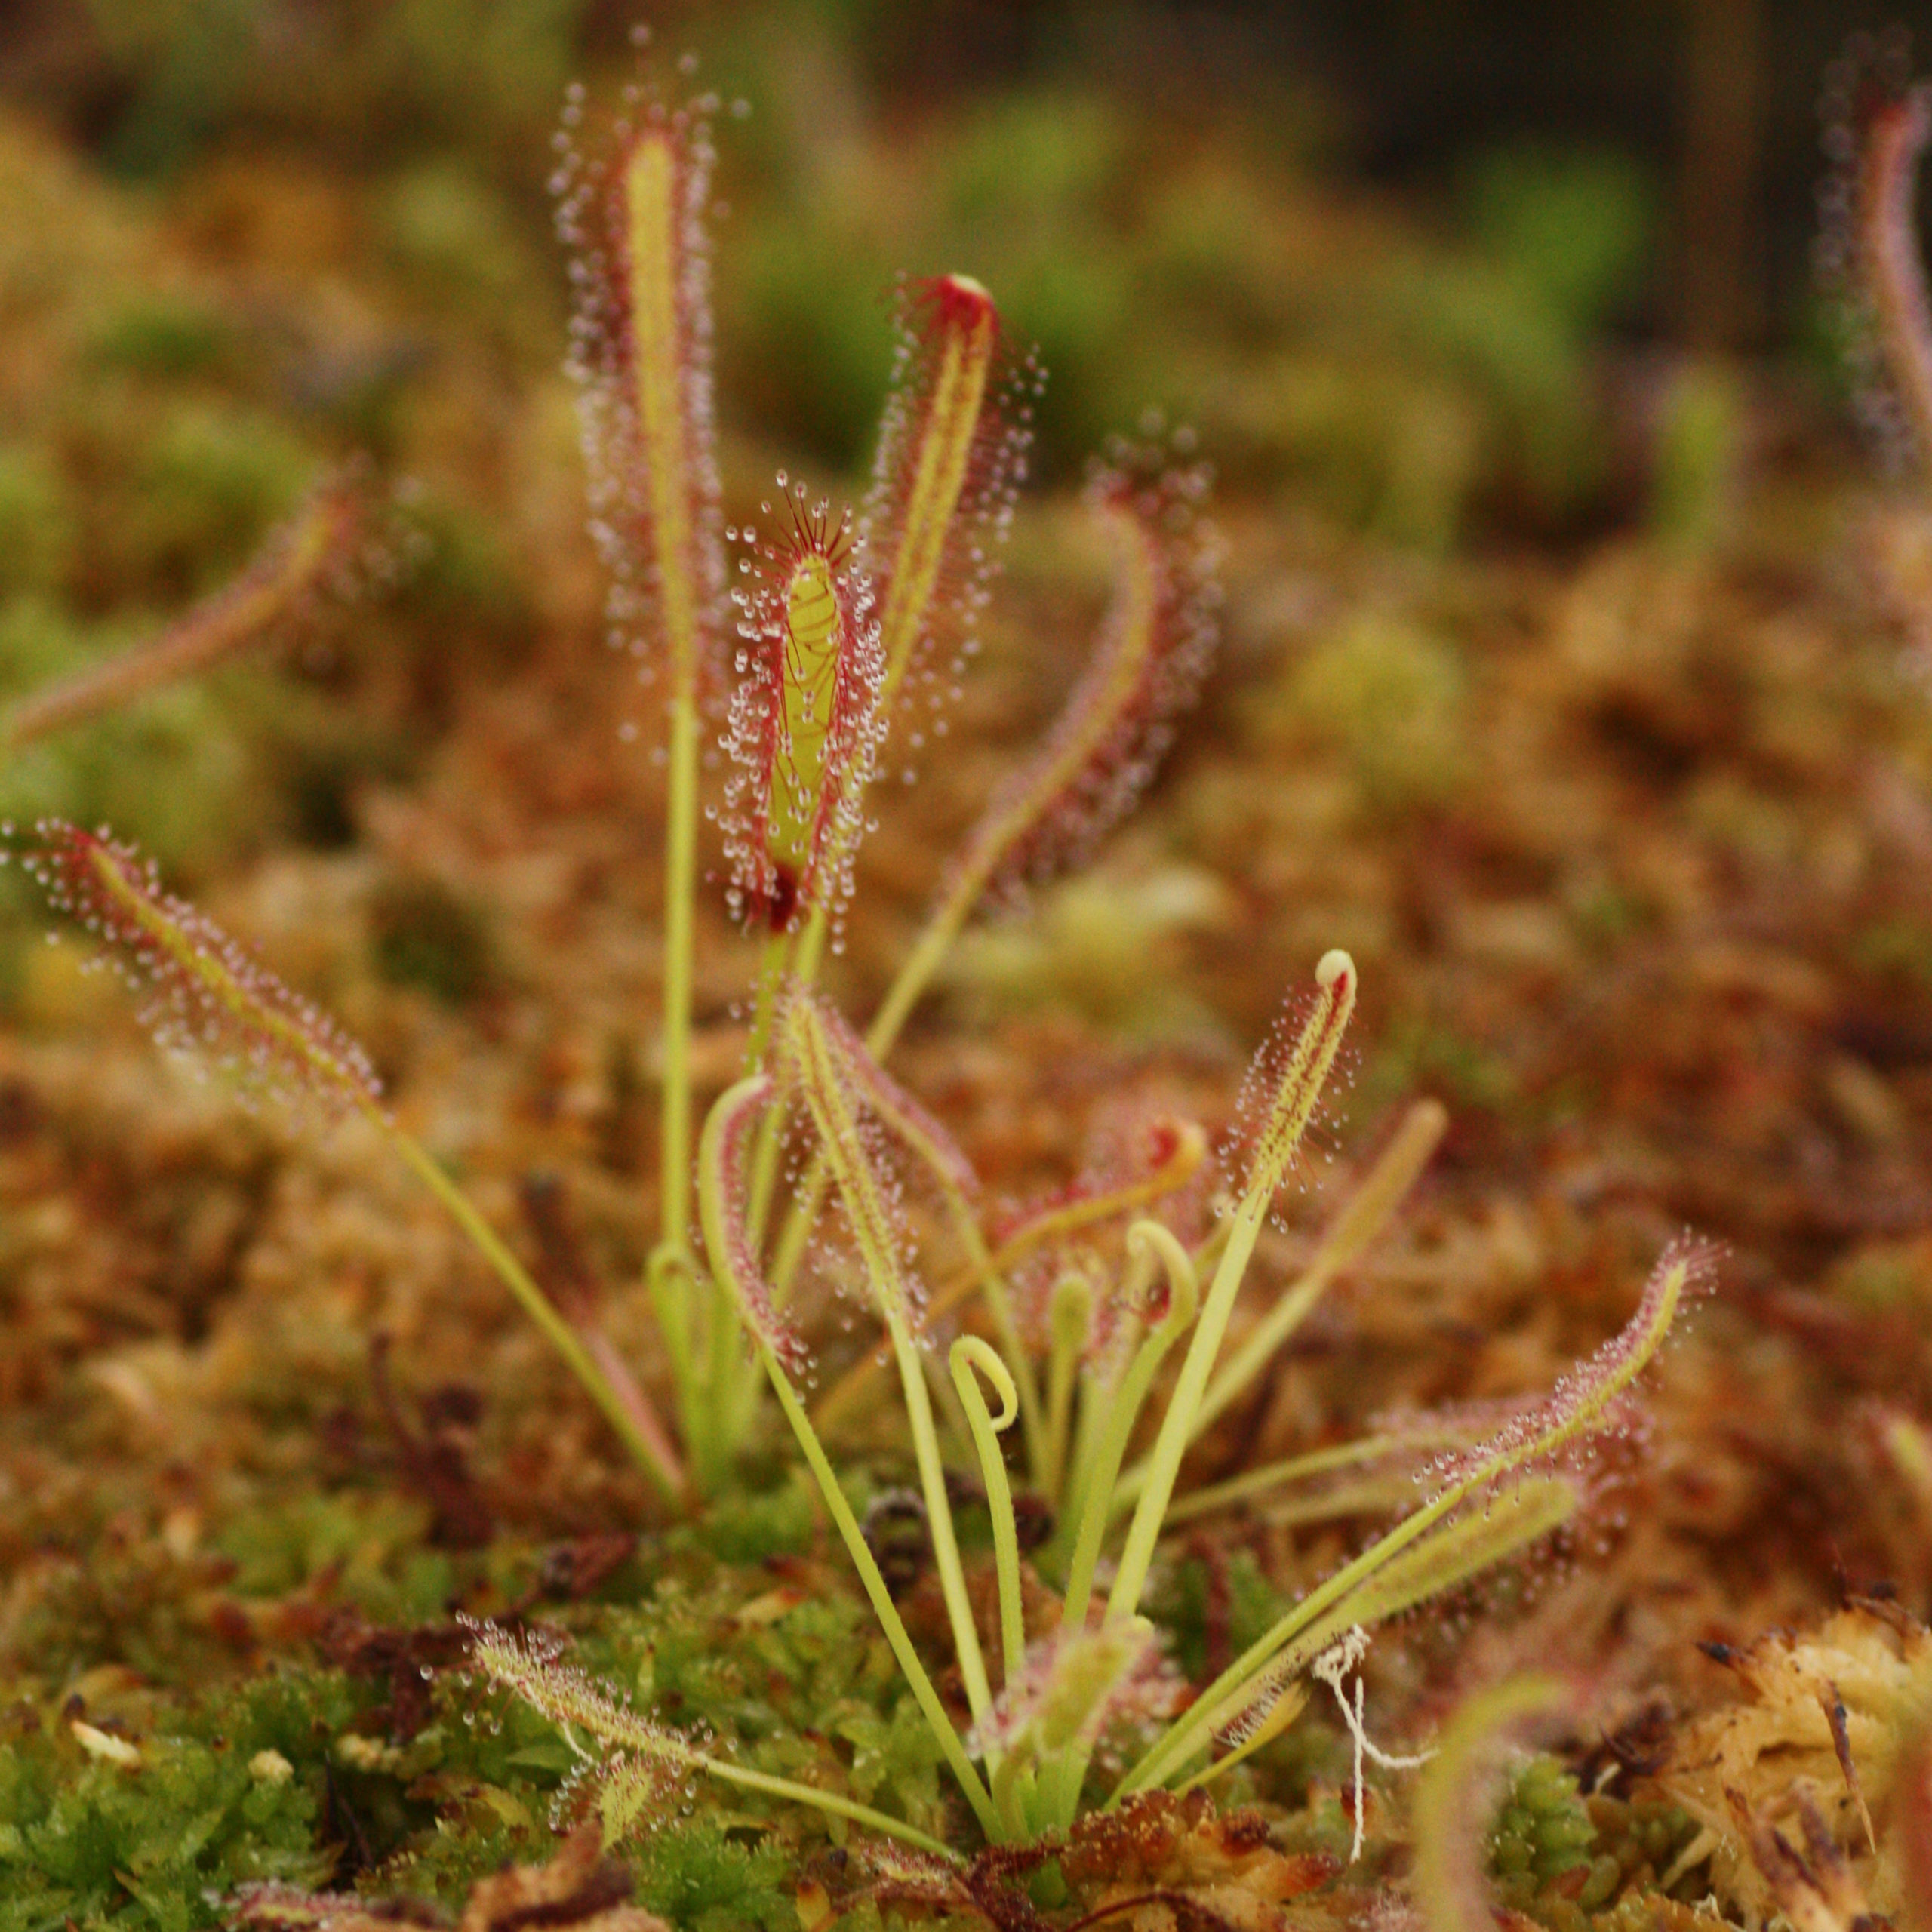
x=1569 y=680
x=1437 y=275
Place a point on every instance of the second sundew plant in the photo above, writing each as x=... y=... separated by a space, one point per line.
x=1099 y=1354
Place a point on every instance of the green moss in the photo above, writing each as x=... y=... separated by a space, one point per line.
x=369 y=1545
x=703 y=1881
x=1393 y=698
x=459 y=576
x=176 y=771
x=1699 y=457
x=160 y=336
x=1182 y=1604
x=748 y=1526
x=1578 y=1864
x=1543 y=1829
x=216 y=477
x=1573 y=229
x=454 y=238
x=808 y=341
x=219 y=1791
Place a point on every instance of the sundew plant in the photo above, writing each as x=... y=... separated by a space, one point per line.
x=1060 y=1377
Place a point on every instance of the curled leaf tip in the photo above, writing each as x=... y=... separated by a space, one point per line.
x=1284 y=1084
x=722 y=1195
x=1587 y=1403
x=1155 y=644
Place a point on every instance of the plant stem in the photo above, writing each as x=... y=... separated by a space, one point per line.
x=927 y=955
x=1123 y=1411
x=897 y=1637
x=1364 y=1214
x=939 y=1519
x=680 y=903
x=924 y=960
x=1069 y=1309
x=1318 y=1462
x=822 y=1801
x=649 y=1457
x=1163 y=1466
x=777 y=952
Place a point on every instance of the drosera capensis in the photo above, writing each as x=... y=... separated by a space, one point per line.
x=633 y=207
x=1491 y=1499
x=849 y=634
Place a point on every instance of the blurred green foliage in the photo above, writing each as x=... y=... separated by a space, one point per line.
x=474 y=74
x=1698 y=457
x=1410 y=381
x=425 y=936
x=179 y=764
x=1391 y=695
x=39 y=531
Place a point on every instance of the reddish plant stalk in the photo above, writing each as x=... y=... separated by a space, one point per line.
x=1896 y=133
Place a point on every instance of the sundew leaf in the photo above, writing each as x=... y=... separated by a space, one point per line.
x=733 y=1258
x=1069 y=1685
x=818 y=1062
x=298 y=563
x=1292 y=1083
x=638 y=1765
x=804 y=723
x=208 y=998
x=1284 y=1084
x=912 y=1124
x=1462 y=1547
x=1877 y=127
x=1585 y=1404
x=952 y=454
x=1155 y=643
x=632 y=208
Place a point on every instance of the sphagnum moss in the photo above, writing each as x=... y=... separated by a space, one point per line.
x=853 y=633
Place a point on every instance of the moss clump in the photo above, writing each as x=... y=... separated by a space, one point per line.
x=1578 y=1864
x=1544 y=1829
x=1214 y=1614
x=1393 y=698
x=124 y=1812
